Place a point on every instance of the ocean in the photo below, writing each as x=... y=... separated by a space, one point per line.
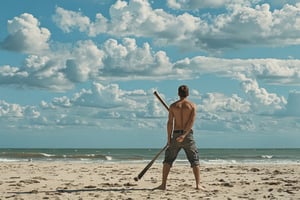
x=207 y=156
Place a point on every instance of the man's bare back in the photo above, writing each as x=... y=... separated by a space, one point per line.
x=182 y=115
x=183 y=110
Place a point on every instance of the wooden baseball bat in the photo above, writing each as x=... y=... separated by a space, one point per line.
x=141 y=174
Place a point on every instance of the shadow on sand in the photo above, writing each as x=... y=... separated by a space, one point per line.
x=83 y=190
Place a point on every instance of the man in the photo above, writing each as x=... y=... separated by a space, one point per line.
x=181 y=118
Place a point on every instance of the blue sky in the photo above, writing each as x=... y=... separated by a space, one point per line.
x=81 y=74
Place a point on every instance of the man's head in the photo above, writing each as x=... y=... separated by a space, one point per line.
x=183 y=91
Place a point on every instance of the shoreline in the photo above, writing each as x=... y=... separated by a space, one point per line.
x=72 y=180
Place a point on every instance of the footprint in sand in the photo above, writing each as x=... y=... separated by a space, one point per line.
x=14 y=177
x=90 y=187
x=39 y=178
x=29 y=181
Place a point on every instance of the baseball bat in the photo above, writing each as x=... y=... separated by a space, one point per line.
x=141 y=174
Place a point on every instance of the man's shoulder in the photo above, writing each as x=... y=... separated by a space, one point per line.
x=182 y=103
x=174 y=104
x=190 y=104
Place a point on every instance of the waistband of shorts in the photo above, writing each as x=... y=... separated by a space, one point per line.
x=181 y=131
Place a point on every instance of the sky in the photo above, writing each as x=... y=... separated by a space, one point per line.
x=81 y=73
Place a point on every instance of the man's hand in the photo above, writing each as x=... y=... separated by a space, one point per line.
x=180 y=138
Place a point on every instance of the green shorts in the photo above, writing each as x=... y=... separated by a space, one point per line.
x=188 y=145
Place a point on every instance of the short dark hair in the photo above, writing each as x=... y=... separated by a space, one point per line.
x=183 y=91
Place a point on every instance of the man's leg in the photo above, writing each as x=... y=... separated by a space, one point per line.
x=166 y=170
x=196 y=171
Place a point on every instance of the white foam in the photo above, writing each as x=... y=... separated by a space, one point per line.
x=47 y=155
x=8 y=160
x=108 y=157
x=267 y=156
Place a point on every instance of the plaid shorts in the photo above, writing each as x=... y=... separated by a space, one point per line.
x=188 y=145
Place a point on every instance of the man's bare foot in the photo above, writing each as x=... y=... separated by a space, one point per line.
x=202 y=188
x=161 y=187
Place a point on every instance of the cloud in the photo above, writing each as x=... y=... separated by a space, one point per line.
x=218 y=102
x=134 y=18
x=101 y=105
x=10 y=110
x=11 y=75
x=61 y=70
x=262 y=101
x=272 y=71
x=16 y=116
x=218 y=112
x=68 y=19
x=226 y=123
x=127 y=59
x=240 y=25
x=101 y=96
x=36 y=74
x=257 y=26
x=26 y=35
x=85 y=62
x=196 y=4
x=248 y=72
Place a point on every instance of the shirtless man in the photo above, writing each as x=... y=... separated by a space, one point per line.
x=181 y=118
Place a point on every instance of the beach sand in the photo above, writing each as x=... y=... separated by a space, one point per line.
x=72 y=180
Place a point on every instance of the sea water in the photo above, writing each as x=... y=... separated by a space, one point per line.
x=207 y=156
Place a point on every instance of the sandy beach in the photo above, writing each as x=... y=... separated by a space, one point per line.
x=72 y=180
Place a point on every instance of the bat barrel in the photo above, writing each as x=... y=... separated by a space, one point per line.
x=161 y=100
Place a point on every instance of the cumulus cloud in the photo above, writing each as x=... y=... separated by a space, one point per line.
x=248 y=72
x=126 y=59
x=196 y=4
x=16 y=116
x=219 y=112
x=109 y=96
x=62 y=69
x=257 y=26
x=10 y=110
x=101 y=104
x=242 y=24
x=215 y=102
x=272 y=71
x=85 y=62
x=68 y=19
x=26 y=35
x=114 y=60
x=107 y=102
x=261 y=100
x=229 y=123
x=39 y=75
x=11 y=75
